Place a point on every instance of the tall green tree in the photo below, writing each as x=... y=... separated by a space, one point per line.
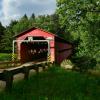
x=1 y=34
x=32 y=20
x=48 y=22
x=22 y=25
x=7 y=38
x=81 y=19
x=1 y=30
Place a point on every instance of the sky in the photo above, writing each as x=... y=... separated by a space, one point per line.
x=14 y=9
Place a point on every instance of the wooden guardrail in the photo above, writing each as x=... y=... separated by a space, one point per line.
x=8 y=74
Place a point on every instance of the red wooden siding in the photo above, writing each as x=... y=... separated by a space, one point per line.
x=36 y=32
x=63 y=51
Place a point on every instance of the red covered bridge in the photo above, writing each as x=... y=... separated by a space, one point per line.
x=35 y=43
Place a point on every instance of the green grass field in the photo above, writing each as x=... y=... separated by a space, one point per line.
x=5 y=56
x=55 y=84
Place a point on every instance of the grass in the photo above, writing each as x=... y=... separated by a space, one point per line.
x=5 y=57
x=55 y=84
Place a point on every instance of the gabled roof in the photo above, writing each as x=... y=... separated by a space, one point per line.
x=33 y=28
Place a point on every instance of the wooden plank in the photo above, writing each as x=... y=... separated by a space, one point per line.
x=15 y=70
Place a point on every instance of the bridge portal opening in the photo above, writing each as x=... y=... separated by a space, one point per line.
x=34 y=51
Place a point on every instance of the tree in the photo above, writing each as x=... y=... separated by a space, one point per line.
x=48 y=22
x=1 y=34
x=7 y=37
x=1 y=30
x=32 y=20
x=22 y=25
x=81 y=18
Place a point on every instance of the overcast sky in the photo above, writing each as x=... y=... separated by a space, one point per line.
x=14 y=9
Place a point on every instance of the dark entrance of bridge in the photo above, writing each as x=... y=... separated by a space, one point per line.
x=34 y=51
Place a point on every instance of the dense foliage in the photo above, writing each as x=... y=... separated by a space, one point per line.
x=81 y=18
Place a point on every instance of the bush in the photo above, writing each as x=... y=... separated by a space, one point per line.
x=84 y=63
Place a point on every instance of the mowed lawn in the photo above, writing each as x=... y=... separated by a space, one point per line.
x=5 y=56
x=55 y=84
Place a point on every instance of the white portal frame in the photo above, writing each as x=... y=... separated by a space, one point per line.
x=21 y=41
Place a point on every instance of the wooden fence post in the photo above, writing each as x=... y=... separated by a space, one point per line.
x=43 y=67
x=37 y=69
x=9 y=79
x=26 y=72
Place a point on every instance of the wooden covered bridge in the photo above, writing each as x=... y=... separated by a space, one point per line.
x=37 y=44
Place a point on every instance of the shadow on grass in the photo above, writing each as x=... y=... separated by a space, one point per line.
x=55 y=84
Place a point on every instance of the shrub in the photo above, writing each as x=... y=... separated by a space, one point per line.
x=84 y=63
